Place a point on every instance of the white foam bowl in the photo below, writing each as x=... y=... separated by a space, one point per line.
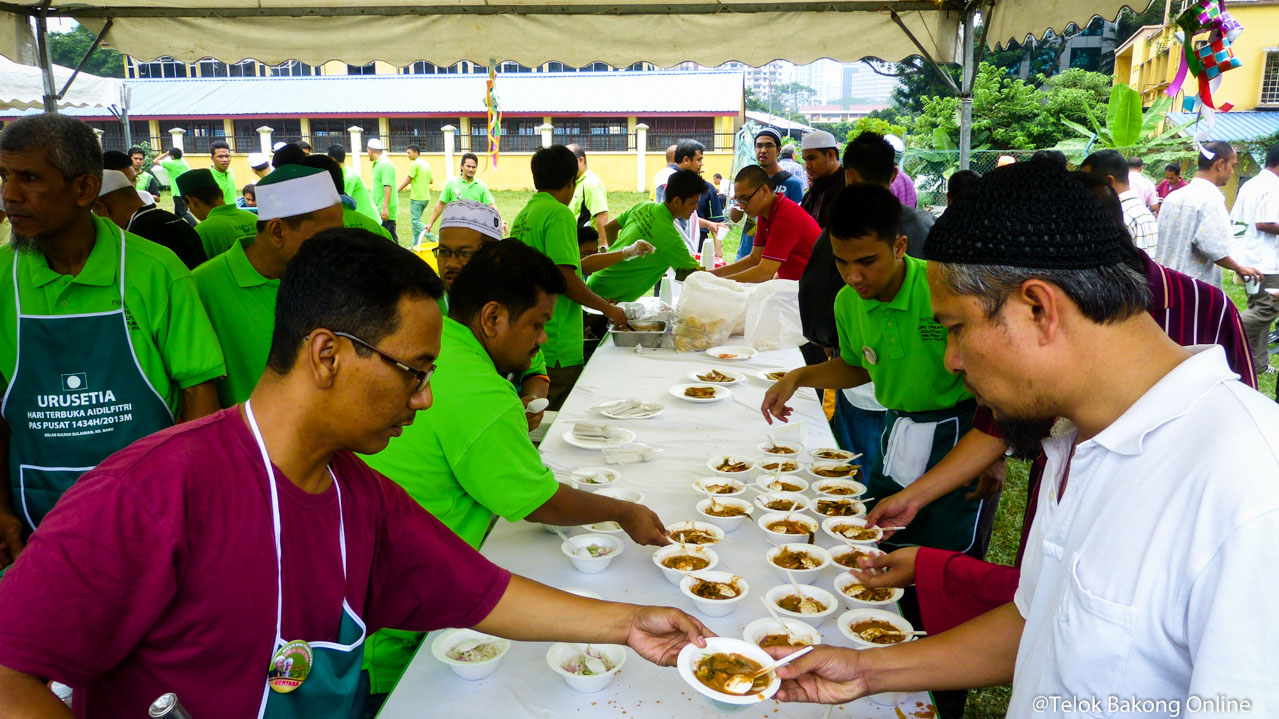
x=831 y=524
x=718 y=459
x=690 y=524
x=692 y=654
x=801 y=501
x=704 y=484
x=782 y=537
x=728 y=524
x=471 y=671
x=593 y=478
x=828 y=600
x=832 y=465
x=604 y=528
x=859 y=509
x=803 y=576
x=845 y=579
x=582 y=561
x=822 y=488
x=843 y=551
x=714 y=607
x=760 y=628
x=853 y=616
x=796 y=449
x=779 y=483
x=674 y=576
x=560 y=654
x=626 y=494
x=785 y=465
x=831 y=454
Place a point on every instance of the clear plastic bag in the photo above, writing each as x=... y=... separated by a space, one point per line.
x=710 y=310
x=772 y=316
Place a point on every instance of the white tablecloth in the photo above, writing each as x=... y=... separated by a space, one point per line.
x=686 y=434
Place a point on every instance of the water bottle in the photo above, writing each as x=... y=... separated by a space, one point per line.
x=708 y=254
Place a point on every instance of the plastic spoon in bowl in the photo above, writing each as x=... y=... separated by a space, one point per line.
x=742 y=683
x=777 y=618
x=577 y=551
x=536 y=405
x=804 y=599
x=593 y=663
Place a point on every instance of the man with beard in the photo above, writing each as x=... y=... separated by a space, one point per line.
x=469 y=460
x=103 y=339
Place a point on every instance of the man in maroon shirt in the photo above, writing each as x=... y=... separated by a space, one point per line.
x=784 y=232
x=196 y=557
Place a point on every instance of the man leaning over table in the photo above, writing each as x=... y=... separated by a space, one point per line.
x=784 y=232
x=273 y=533
x=469 y=461
x=103 y=339
x=1140 y=580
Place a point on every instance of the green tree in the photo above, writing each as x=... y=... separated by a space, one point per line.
x=66 y=49
x=754 y=103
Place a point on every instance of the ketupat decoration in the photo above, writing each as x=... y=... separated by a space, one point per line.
x=1207 y=61
x=494 y=114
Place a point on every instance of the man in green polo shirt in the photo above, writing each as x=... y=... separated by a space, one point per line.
x=590 y=198
x=238 y=287
x=385 y=197
x=546 y=225
x=143 y=181
x=174 y=167
x=353 y=185
x=220 y=153
x=221 y=225
x=887 y=335
x=419 y=175
x=350 y=218
x=103 y=339
x=464 y=186
x=655 y=222
x=468 y=460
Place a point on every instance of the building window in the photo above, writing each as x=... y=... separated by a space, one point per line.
x=217 y=68
x=509 y=66
x=199 y=133
x=425 y=132
x=1270 y=80
x=368 y=69
x=426 y=68
x=607 y=135
x=245 y=132
x=332 y=131
x=518 y=135
x=292 y=68
x=596 y=67
x=161 y=68
x=113 y=134
x=559 y=67
x=666 y=131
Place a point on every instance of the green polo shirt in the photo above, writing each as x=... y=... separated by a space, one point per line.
x=226 y=181
x=548 y=227
x=589 y=190
x=457 y=188
x=352 y=218
x=535 y=368
x=142 y=183
x=224 y=226
x=173 y=168
x=384 y=176
x=907 y=343
x=631 y=279
x=241 y=306
x=171 y=336
x=420 y=180
x=355 y=188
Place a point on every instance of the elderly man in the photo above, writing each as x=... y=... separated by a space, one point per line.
x=220 y=153
x=385 y=197
x=784 y=233
x=1116 y=603
x=262 y=528
x=466 y=467
x=239 y=286
x=221 y=225
x=126 y=209
x=103 y=339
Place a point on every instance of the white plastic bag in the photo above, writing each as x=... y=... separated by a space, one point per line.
x=710 y=310
x=772 y=316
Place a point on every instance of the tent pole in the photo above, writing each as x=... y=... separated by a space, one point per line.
x=46 y=61
x=966 y=79
x=80 y=65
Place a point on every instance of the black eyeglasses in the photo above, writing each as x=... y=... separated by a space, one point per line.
x=423 y=376
x=444 y=253
x=744 y=202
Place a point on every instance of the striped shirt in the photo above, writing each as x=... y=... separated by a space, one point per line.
x=1140 y=221
x=954 y=588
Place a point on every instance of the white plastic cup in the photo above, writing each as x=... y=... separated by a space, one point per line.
x=708 y=254
x=1251 y=287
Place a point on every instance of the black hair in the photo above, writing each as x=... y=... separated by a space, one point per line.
x=304 y=145
x=1057 y=157
x=554 y=168
x=586 y=233
x=1136 y=162
x=960 y=182
x=289 y=154
x=135 y=150
x=345 y=280
x=508 y=272
x=414 y=148
x=872 y=157
x=754 y=175
x=1173 y=167
x=469 y=156
x=176 y=153
x=865 y=210
x=1107 y=162
x=687 y=149
x=115 y=160
x=218 y=145
x=1220 y=151
x=578 y=151
x=337 y=152
x=329 y=165
x=683 y=184
x=249 y=189
x=1272 y=156
x=717 y=175
x=1104 y=192
x=208 y=195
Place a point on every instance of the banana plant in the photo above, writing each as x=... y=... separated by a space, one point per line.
x=931 y=167
x=1128 y=127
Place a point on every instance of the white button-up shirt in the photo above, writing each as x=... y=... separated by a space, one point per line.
x=1194 y=231
x=1258 y=201
x=1154 y=577
x=1141 y=222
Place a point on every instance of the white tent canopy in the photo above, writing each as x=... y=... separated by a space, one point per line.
x=22 y=88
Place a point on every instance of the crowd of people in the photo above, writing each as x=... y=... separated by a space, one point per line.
x=244 y=428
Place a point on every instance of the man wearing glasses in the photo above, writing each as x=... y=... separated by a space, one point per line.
x=784 y=232
x=768 y=143
x=239 y=286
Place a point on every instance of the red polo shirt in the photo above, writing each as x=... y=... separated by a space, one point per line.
x=787 y=235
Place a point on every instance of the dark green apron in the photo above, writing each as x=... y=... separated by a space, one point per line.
x=950 y=522
x=328 y=690
x=78 y=394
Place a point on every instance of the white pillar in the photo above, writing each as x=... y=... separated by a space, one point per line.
x=641 y=145
x=177 y=133
x=448 y=131
x=357 y=149
x=97 y=131
x=546 y=128
x=264 y=140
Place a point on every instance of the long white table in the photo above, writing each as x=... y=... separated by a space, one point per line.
x=686 y=435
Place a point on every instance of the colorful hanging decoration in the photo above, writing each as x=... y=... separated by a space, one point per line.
x=494 y=114
x=1206 y=32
